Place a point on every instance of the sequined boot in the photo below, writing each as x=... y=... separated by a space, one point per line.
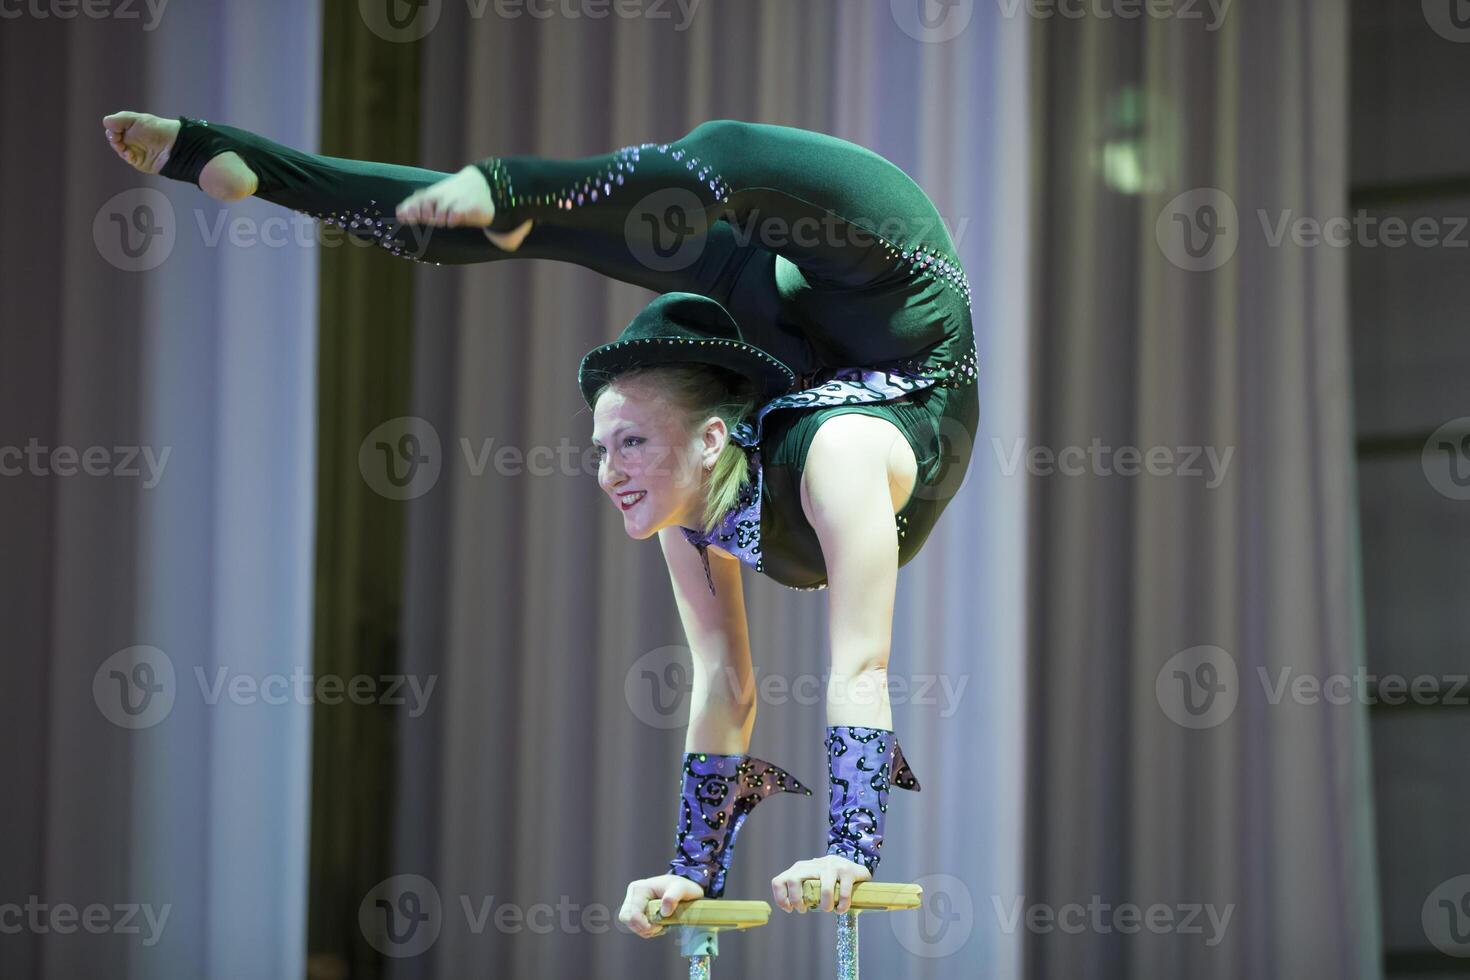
x=718 y=792
x=861 y=762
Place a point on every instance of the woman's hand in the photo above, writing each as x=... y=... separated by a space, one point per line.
x=673 y=889
x=837 y=875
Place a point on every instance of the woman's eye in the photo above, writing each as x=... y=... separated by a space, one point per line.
x=631 y=440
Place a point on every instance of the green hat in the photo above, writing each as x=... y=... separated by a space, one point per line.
x=678 y=328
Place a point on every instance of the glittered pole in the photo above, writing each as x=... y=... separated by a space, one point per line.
x=847 y=945
x=701 y=945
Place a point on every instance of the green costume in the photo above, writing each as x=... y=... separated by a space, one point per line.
x=829 y=257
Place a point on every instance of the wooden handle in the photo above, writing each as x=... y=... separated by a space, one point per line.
x=869 y=896
x=711 y=913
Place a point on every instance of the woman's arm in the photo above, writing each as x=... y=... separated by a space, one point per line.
x=847 y=498
x=722 y=704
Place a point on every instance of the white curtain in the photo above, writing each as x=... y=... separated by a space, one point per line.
x=1171 y=590
x=127 y=324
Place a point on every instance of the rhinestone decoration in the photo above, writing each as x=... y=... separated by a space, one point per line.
x=596 y=186
x=860 y=763
x=360 y=223
x=717 y=793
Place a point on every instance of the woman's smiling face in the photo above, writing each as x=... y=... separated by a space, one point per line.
x=651 y=466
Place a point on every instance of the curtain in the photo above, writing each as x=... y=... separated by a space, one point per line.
x=1168 y=595
x=543 y=777
x=152 y=599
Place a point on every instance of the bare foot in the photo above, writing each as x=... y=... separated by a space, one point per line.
x=460 y=200
x=144 y=142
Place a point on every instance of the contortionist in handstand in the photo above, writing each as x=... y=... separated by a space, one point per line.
x=800 y=398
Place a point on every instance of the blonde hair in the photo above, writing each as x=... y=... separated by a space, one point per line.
x=702 y=390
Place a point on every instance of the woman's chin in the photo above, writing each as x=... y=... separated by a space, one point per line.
x=636 y=528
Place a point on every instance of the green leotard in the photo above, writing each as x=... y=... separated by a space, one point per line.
x=827 y=255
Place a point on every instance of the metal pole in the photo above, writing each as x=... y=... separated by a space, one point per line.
x=847 y=945
x=700 y=944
